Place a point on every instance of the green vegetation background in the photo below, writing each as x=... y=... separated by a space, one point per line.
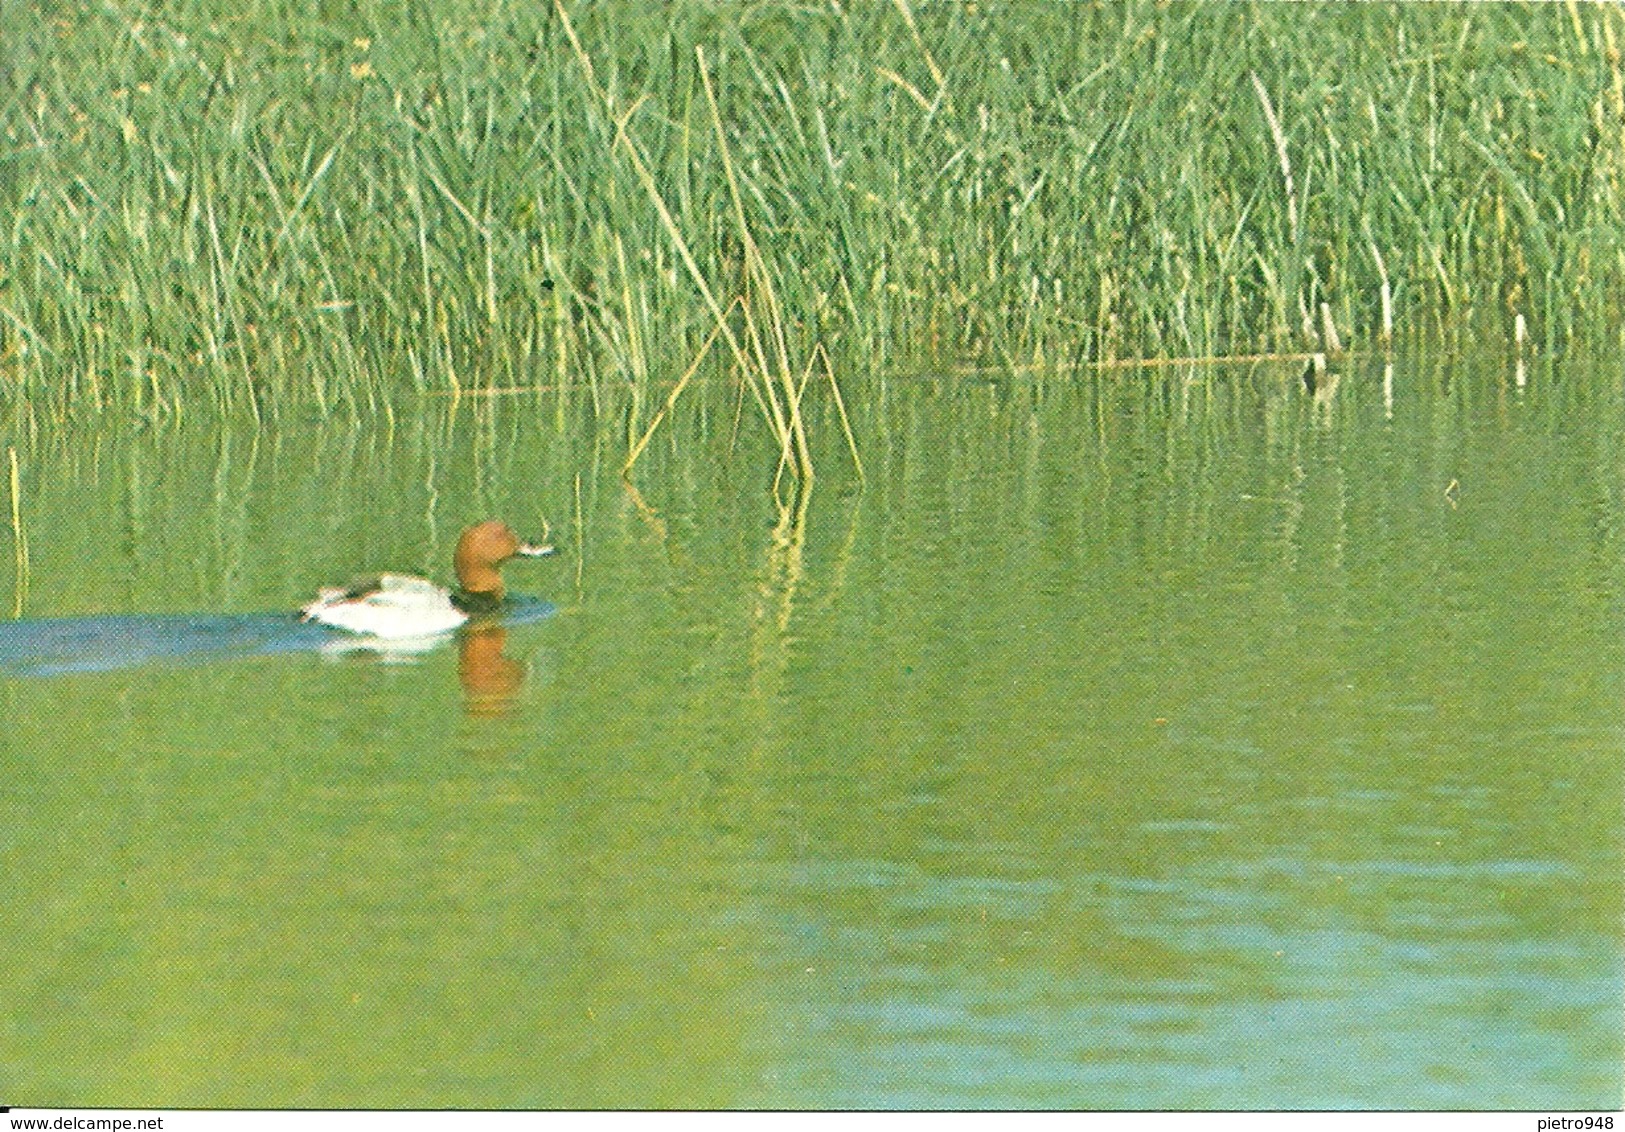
x=272 y=203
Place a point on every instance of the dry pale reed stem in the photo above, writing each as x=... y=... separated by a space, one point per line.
x=671 y=400
x=1142 y=363
x=1280 y=152
x=840 y=407
x=1334 y=344
x=1520 y=337
x=581 y=536
x=1387 y=296
x=930 y=63
x=19 y=540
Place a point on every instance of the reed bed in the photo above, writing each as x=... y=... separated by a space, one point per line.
x=277 y=207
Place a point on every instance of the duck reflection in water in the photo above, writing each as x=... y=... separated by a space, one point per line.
x=490 y=678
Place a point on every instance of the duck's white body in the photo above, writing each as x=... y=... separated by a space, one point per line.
x=399 y=607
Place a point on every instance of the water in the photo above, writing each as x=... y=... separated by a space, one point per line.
x=1125 y=742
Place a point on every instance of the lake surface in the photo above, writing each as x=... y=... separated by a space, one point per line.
x=1150 y=740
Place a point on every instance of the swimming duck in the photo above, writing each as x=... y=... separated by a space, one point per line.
x=396 y=606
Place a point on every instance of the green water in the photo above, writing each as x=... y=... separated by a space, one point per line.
x=1162 y=740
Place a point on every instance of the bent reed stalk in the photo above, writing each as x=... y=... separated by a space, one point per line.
x=267 y=210
x=19 y=540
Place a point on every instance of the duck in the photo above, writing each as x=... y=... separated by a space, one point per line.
x=401 y=607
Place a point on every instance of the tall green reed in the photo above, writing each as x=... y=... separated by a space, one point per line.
x=284 y=208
